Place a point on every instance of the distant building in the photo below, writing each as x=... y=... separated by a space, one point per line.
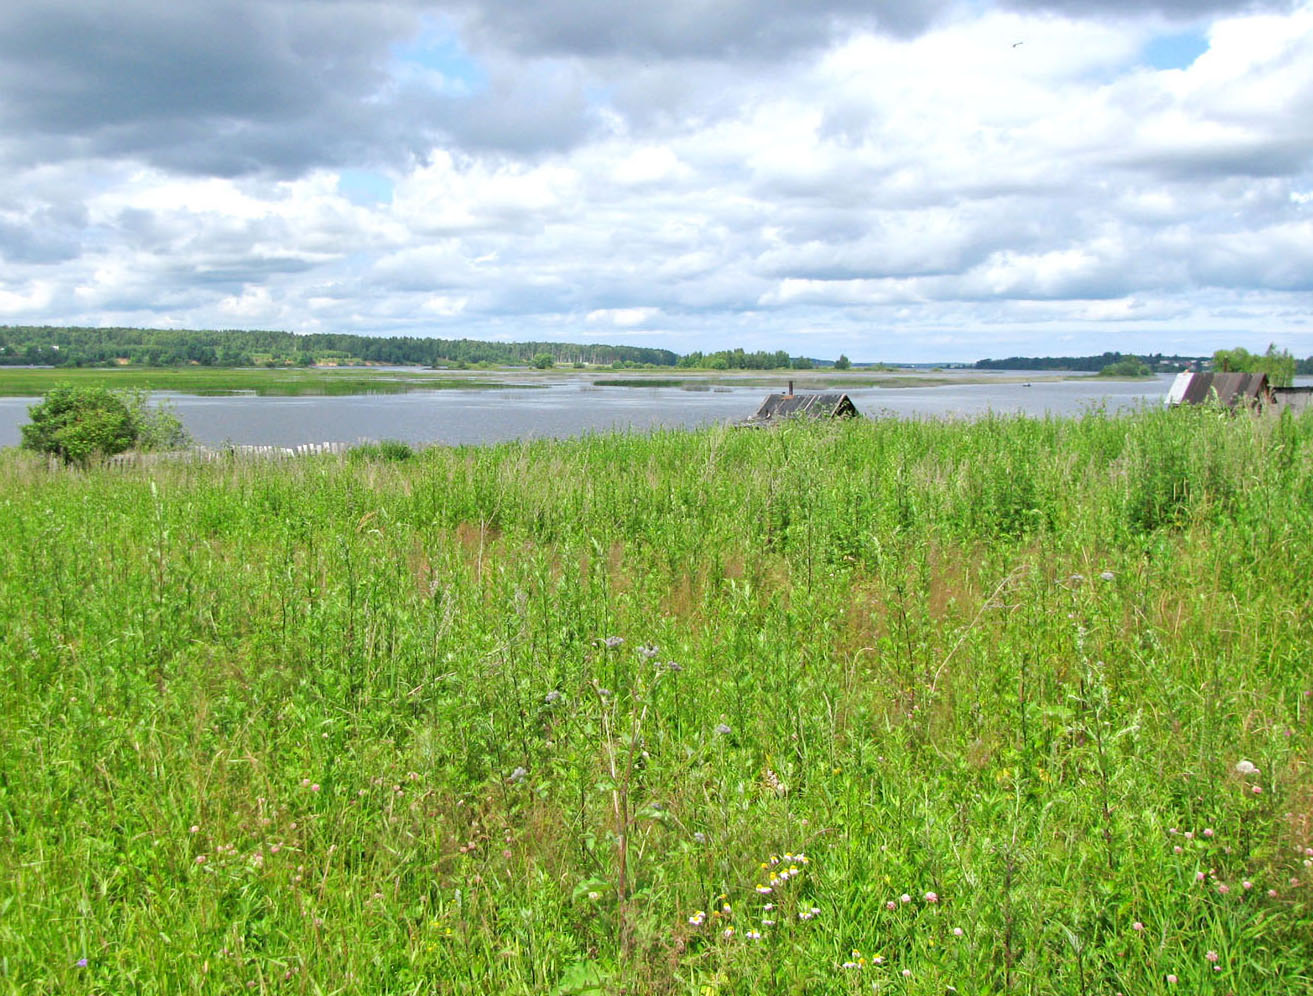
x=778 y=407
x=1238 y=390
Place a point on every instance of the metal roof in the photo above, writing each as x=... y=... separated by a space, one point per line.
x=1227 y=389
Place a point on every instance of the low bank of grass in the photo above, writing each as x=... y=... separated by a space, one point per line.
x=1011 y=705
x=31 y=382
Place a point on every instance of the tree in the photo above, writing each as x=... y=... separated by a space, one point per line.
x=842 y=363
x=544 y=361
x=1278 y=364
x=78 y=423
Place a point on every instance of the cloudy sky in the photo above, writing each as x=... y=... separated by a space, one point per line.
x=929 y=180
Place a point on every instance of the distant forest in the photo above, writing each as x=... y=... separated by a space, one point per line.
x=60 y=346
x=1157 y=362
x=45 y=345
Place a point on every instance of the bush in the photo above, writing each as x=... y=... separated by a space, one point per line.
x=389 y=449
x=78 y=423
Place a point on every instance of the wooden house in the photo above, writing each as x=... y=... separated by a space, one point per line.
x=778 y=407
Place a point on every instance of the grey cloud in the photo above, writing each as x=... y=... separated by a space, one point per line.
x=239 y=87
x=226 y=87
x=699 y=29
x=1175 y=9
x=51 y=233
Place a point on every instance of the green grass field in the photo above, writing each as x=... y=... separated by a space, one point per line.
x=1012 y=705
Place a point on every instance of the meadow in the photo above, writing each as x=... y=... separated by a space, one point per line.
x=1009 y=705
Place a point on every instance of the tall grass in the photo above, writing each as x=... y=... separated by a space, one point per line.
x=553 y=716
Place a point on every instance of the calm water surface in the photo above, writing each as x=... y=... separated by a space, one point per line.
x=572 y=406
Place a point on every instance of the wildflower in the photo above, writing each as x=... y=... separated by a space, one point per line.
x=1256 y=789
x=314 y=787
x=1177 y=849
x=81 y=963
x=1244 y=767
x=931 y=897
x=1171 y=980
x=849 y=965
x=1208 y=831
x=649 y=652
x=768 y=907
x=1107 y=575
x=753 y=935
x=907 y=973
x=200 y=859
x=1246 y=885
x=1271 y=893
x=672 y=666
x=723 y=729
x=518 y=775
x=698 y=918
x=193 y=828
x=767 y=923
x=878 y=960
x=1137 y=926
x=305 y=783
x=763 y=889
x=727 y=932
x=1224 y=888
x=552 y=696
x=594 y=896
x=612 y=642
x=890 y=905
x=1199 y=876
x=1189 y=835
x=1211 y=956
x=957 y=931
x=904 y=898
x=700 y=837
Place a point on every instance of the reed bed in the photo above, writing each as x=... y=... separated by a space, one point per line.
x=1011 y=705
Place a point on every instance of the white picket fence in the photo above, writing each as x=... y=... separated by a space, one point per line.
x=208 y=454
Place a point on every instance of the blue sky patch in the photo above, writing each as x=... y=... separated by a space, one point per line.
x=438 y=50
x=1176 y=51
x=364 y=187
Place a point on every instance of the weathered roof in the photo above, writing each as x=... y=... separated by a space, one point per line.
x=778 y=406
x=1228 y=389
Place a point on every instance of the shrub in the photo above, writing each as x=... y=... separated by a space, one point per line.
x=389 y=449
x=78 y=423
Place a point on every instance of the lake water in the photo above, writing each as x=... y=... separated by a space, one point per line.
x=573 y=405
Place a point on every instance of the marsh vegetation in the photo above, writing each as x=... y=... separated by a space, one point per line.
x=1014 y=705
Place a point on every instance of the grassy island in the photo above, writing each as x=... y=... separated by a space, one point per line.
x=1013 y=705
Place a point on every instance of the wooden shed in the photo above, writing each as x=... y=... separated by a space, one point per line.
x=1230 y=390
x=778 y=407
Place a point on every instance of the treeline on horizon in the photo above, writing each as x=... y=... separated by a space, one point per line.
x=47 y=345
x=1155 y=361
x=1158 y=362
x=66 y=346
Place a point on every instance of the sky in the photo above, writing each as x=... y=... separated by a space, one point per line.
x=939 y=180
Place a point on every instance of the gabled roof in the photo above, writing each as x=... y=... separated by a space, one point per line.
x=778 y=406
x=1227 y=389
